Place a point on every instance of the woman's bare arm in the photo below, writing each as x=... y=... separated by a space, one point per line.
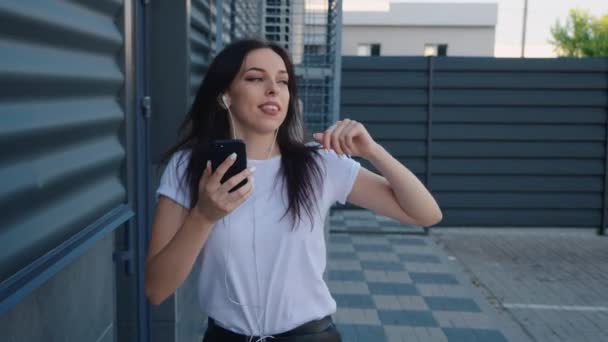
x=178 y=234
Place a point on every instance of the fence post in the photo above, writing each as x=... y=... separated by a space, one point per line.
x=429 y=125
x=602 y=228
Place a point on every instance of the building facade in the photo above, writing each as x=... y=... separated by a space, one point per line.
x=418 y=29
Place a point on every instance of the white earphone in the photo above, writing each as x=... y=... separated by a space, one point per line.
x=225 y=101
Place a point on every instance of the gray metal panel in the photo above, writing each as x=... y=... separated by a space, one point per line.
x=61 y=111
x=239 y=19
x=202 y=41
x=516 y=142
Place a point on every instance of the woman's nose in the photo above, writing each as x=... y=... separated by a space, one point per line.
x=272 y=88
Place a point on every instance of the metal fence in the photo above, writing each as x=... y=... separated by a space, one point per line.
x=499 y=142
x=310 y=30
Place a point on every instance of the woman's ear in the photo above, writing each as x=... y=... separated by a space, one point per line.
x=226 y=101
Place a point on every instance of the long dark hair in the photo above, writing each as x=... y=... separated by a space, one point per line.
x=207 y=121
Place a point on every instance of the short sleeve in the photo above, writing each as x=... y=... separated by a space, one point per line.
x=173 y=182
x=341 y=172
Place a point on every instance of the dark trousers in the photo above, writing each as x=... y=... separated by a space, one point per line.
x=317 y=331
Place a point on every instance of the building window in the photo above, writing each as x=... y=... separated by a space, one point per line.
x=436 y=49
x=368 y=50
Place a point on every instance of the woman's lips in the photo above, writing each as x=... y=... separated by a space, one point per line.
x=269 y=109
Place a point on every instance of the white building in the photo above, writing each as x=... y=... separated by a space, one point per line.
x=415 y=29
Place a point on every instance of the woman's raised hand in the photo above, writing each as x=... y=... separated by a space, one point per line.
x=348 y=137
x=214 y=200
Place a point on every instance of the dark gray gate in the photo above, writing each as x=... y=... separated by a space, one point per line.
x=500 y=142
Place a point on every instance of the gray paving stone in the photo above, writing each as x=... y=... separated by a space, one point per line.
x=412 y=249
x=414 y=318
x=387 y=276
x=428 y=267
x=473 y=335
x=357 y=316
x=346 y=275
x=452 y=304
x=394 y=302
x=348 y=287
x=370 y=333
x=382 y=265
x=409 y=334
x=392 y=289
x=340 y=238
x=473 y=320
x=343 y=255
x=372 y=247
x=401 y=241
x=433 y=278
x=378 y=256
x=339 y=247
x=422 y=258
x=335 y=264
x=430 y=290
x=360 y=301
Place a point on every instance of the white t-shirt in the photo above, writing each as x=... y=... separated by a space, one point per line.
x=254 y=257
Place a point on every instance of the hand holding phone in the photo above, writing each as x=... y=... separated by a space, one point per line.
x=222 y=149
x=223 y=185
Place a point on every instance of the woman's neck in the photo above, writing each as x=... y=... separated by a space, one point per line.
x=261 y=147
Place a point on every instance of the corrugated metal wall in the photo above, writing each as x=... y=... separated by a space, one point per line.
x=500 y=142
x=202 y=40
x=239 y=19
x=62 y=131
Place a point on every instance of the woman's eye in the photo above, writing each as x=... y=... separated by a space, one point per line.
x=254 y=79
x=284 y=82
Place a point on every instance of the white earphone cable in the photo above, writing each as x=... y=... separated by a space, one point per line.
x=259 y=307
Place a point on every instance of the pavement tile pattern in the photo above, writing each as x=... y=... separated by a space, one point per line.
x=398 y=288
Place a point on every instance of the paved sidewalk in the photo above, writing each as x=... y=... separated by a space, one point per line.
x=552 y=282
x=396 y=287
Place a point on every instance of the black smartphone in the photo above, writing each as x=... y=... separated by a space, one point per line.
x=221 y=149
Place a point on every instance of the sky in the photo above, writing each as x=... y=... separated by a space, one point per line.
x=542 y=14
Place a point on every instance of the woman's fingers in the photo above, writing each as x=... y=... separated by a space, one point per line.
x=236 y=198
x=327 y=137
x=217 y=175
x=340 y=137
x=337 y=136
x=206 y=174
x=235 y=180
x=349 y=132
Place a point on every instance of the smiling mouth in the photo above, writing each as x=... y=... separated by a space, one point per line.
x=270 y=109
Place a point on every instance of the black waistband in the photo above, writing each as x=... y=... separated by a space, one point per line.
x=311 y=327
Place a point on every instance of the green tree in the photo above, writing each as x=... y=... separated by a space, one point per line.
x=582 y=35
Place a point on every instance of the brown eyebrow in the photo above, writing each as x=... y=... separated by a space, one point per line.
x=262 y=70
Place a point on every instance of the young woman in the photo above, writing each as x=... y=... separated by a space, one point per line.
x=261 y=248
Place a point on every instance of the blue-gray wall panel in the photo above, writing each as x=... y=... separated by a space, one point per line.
x=62 y=114
x=77 y=304
x=202 y=40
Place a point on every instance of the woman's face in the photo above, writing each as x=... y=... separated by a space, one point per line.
x=258 y=95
